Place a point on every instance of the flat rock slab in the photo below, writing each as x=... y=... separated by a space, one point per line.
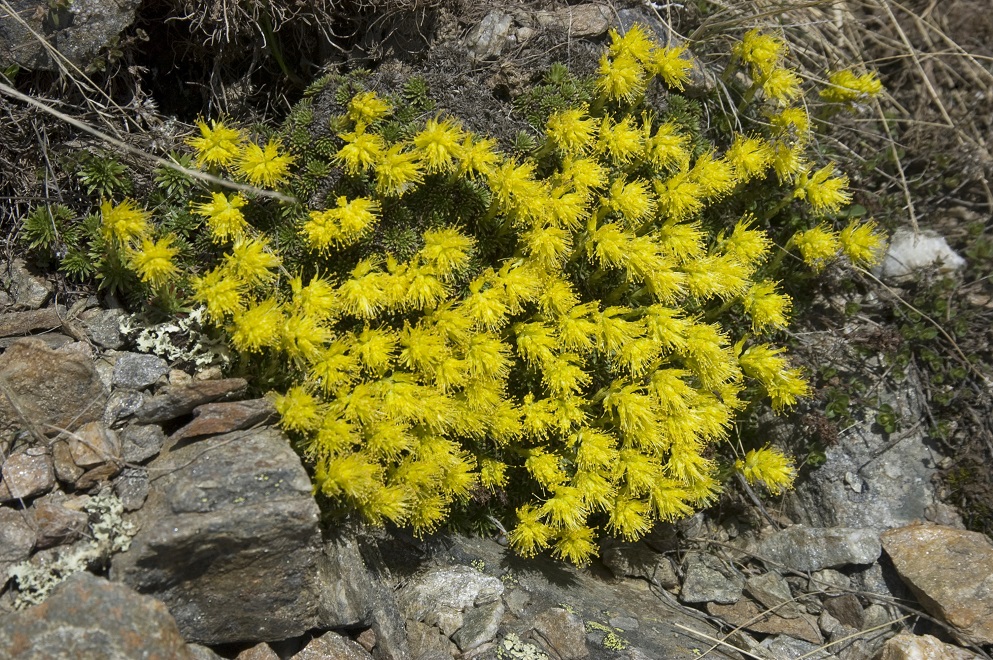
x=803 y=548
x=52 y=390
x=224 y=417
x=89 y=617
x=174 y=401
x=751 y=616
x=951 y=572
x=229 y=539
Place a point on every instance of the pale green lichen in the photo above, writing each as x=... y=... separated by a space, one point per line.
x=514 y=648
x=611 y=640
x=109 y=533
x=182 y=340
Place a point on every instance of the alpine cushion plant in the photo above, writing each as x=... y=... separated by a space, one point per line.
x=578 y=343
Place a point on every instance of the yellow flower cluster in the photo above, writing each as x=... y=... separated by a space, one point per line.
x=127 y=231
x=588 y=368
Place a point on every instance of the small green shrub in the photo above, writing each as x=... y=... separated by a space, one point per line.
x=569 y=331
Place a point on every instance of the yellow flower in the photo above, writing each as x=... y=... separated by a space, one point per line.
x=817 y=246
x=747 y=245
x=635 y=43
x=492 y=473
x=257 y=327
x=769 y=467
x=669 y=64
x=633 y=200
x=225 y=220
x=824 y=192
x=715 y=176
x=298 y=410
x=622 y=141
x=360 y=152
x=862 y=243
x=576 y=545
x=750 y=156
x=220 y=292
x=251 y=261
x=788 y=161
x=366 y=108
x=680 y=196
x=621 y=78
x=545 y=468
x=479 y=156
x=847 y=87
x=217 y=144
x=123 y=223
x=781 y=85
x=439 y=145
x=766 y=364
x=762 y=52
x=667 y=148
x=766 y=306
x=791 y=119
x=343 y=225
x=629 y=518
x=153 y=261
x=530 y=535
x=397 y=172
x=265 y=166
x=570 y=130
x=584 y=173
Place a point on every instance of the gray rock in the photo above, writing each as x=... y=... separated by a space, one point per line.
x=332 y=645
x=516 y=600
x=951 y=573
x=17 y=539
x=229 y=539
x=66 y=470
x=488 y=38
x=707 y=580
x=784 y=647
x=480 y=625
x=802 y=548
x=771 y=590
x=750 y=616
x=639 y=561
x=26 y=474
x=353 y=594
x=198 y=652
x=132 y=486
x=78 y=30
x=136 y=371
x=260 y=651
x=847 y=610
x=909 y=252
x=140 y=442
x=440 y=596
x=89 y=617
x=624 y=622
x=829 y=580
x=122 y=404
x=28 y=290
x=579 y=21
x=174 y=401
x=57 y=524
x=563 y=632
x=53 y=390
x=103 y=327
x=429 y=643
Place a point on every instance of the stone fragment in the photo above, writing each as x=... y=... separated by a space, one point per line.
x=428 y=642
x=784 y=647
x=516 y=600
x=951 y=572
x=829 y=580
x=52 y=390
x=26 y=474
x=580 y=21
x=907 y=646
x=563 y=633
x=97 y=476
x=224 y=417
x=29 y=291
x=94 y=444
x=174 y=401
x=750 y=616
x=772 y=591
x=708 y=580
x=229 y=540
x=17 y=539
x=367 y=639
x=122 y=404
x=260 y=651
x=131 y=486
x=136 y=371
x=802 y=548
x=103 y=327
x=66 y=470
x=56 y=523
x=624 y=622
x=440 y=596
x=198 y=652
x=22 y=323
x=89 y=617
x=480 y=625
x=332 y=645
x=488 y=38
x=639 y=561
x=140 y=442
x=54 y=340
x=847 y=610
